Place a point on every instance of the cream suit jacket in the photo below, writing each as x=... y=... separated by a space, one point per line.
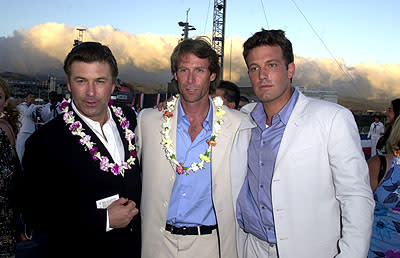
x=159 y=176
x=322 y=202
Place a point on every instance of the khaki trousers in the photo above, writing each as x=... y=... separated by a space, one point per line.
x=256 y=248
x=197 y=246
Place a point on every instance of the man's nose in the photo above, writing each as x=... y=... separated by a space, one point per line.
x=264 y=72
x=91 y=88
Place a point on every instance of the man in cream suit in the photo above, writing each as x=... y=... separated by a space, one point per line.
x=187 y=208
x=306 y=193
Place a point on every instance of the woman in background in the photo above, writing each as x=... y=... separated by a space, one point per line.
x=392 y=112
x=8 y=167
x=385 y=240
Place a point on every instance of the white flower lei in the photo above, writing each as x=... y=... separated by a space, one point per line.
x=105 y=165
x=168 y=145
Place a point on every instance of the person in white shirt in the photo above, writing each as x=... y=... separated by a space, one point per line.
x=375 y=132
x=50 y=110
x=26 y=111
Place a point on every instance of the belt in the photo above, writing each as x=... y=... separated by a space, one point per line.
x=199 y=230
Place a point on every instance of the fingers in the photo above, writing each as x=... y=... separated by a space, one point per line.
x=135 y=212
x=121 y=212
x=122 y=201
x=162 y=105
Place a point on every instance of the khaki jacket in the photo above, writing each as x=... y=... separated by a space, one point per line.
x=159 y=176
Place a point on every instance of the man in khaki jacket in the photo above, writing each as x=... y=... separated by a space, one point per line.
x=187 y=208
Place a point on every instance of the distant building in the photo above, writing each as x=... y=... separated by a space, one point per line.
x=39 y=88
x=327 y=95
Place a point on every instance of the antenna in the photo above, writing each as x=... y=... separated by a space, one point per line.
x=186 y=26
x=80 y=39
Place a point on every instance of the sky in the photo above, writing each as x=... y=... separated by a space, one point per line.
x=348 y=38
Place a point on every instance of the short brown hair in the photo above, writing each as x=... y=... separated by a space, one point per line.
x=270 y=38
x=231 y=92
x=90 y=52
x=201 y=49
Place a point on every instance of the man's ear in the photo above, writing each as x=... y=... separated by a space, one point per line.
x=231 y=105
x=212 y=77
x=69 y=85
x=291 y=70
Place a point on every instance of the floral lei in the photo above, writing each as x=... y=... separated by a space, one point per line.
x=76 y=129
x=168 y=145
x=396 y=153
x=4 y=115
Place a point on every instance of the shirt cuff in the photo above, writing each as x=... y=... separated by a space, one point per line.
x=108 y=228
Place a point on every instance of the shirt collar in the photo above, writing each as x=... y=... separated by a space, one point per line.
x=286 y=111
x=283 y=115
x=89 y=121
x=182 y=118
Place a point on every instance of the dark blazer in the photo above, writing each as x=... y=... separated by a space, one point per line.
x=62 y=185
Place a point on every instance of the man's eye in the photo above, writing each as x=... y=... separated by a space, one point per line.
x=253 y=68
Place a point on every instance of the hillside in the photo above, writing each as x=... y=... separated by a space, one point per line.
x=358 y=104
x=353 y=103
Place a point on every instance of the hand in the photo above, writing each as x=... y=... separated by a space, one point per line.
x=121 y=212
x=161 y=106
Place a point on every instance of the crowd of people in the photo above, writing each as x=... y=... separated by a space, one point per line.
x=198 y=178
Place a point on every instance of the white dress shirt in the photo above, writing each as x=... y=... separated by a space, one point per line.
x=109 y=136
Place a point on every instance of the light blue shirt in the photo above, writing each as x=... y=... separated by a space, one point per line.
x=191 y=198
x=254 y=205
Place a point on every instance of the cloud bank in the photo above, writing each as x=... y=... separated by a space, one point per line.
x=144 y=59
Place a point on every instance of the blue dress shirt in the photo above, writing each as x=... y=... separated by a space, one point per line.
x=254 y=205
x=191 y=201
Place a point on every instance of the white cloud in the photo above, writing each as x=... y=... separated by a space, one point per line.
x=144 y=58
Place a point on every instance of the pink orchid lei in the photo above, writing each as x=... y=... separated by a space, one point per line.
x=76 y=129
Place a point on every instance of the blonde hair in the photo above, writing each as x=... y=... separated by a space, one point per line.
x=394 y=137
x=11 y=108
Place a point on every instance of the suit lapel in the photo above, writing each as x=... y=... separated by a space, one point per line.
x=121 y=135
x=294 y=124
x=93 y=137
x=222 y=140
x=173 y=124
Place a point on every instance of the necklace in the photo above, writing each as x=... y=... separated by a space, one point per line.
x=168 y=145
x=76 y=129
